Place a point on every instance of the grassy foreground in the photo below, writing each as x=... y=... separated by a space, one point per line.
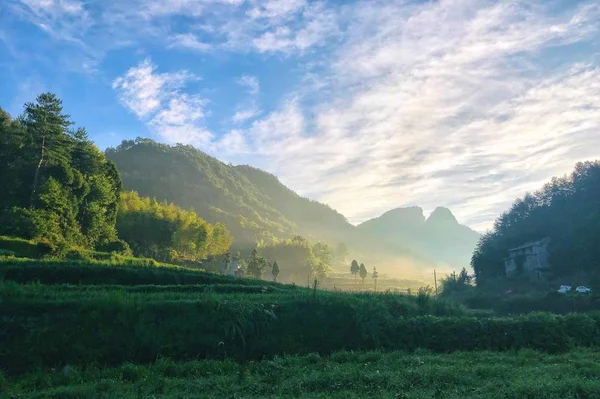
x=74 y=329
x=523 y=374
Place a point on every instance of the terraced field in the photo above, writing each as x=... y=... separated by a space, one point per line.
x=76 y=329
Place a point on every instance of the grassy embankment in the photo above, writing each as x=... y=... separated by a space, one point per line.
x=141 y=329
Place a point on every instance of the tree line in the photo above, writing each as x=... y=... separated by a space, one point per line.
x=361 y=270
x=59 y=188
x=566 y=210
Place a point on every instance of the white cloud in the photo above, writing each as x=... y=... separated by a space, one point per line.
x=245 y=114
x=233 y=142
x=315 y=25
x=234 y=25
x=158 y=99
x=442 y=103
x=64 y=19
x=188 y=41
x=279 y=128
x=143 y=90
x=250 y=82
x=276 y=8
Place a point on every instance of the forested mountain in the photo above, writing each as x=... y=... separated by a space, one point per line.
x=253 y=204
x=567 y=210
x=439 y=237
x=257 y=208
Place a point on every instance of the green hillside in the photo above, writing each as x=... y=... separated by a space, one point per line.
x=192 y=179
x=254 y=205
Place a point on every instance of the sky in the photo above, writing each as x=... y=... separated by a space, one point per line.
x=363 y=105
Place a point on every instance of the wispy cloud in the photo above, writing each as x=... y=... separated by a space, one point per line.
x=315 y=25
x=64 y=19
x=245 y=114
x=442 y=103
x=96 y=28
x=188 y=41
x=157 y=99
x=250 y=82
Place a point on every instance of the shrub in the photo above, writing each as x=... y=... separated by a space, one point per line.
x=121 y=271
x=119 y=247
x=77 y=254
x=535 y=302
x=113 y=329
x=6 y=252
x=45 y=247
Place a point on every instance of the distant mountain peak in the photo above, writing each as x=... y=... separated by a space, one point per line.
x=411 y=215
x=439 y=237
x=442 y=215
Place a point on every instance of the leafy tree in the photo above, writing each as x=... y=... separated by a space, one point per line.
x=341 y=252
x=296 y=254
x=363 y=272
x=256 y=264
x=456 y=283
x=322 y=253
x=321 y=271
x=464 y=277
x=375 y=276
x=167 y=232
x=56 y=184
x=354 y=268
x=275 y=271
x=48 y=128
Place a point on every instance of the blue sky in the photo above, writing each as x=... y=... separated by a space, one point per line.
x=364 y=105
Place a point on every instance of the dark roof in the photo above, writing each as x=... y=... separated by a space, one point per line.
x=531 y=244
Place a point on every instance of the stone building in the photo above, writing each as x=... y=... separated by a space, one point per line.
x=530 y=259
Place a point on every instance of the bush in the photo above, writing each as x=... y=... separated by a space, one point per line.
x=45 y=248
x=22 y=248
x=6 y=252
x=112 y=330
x=119 y=247
x=526 y=303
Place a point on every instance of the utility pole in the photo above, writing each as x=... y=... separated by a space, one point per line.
x=435 y=281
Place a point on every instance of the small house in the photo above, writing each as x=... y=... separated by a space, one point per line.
x=530 y=259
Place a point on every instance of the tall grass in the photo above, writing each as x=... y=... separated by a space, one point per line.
x=125 y=271
x=113 y=326
x=420 y=375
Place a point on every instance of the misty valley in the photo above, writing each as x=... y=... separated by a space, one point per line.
x=310 y=199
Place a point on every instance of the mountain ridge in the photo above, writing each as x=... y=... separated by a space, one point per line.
x=254 y=205
x=439 y=236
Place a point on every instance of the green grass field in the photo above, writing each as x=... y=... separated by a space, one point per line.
x=129 y=328
x=485 y=375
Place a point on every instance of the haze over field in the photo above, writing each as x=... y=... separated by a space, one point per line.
x=365 y=106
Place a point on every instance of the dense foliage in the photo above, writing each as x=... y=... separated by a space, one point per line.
x=533 y=302
x=192 y=179
x=115 y=326
x=56 y=185
x=166 y=232
x=567 y=210
x=298 y=260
